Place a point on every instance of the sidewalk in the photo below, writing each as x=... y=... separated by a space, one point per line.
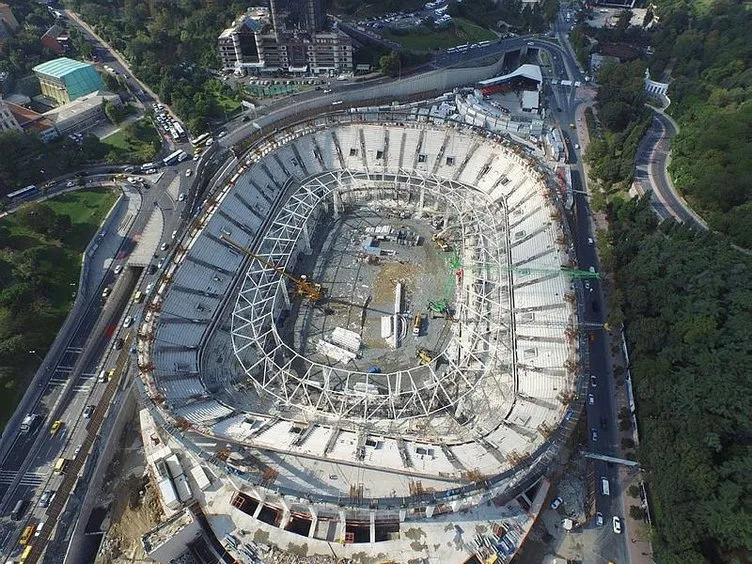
x=638 y=546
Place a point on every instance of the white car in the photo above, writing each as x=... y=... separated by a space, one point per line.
x=118 y=269
x=616 y=523
x=70 y=184
x=188 y=172
x=590 y=241
x=599 y=519
x=164 y=246
x=128 y=322
x=181 y=198
x=591 y=399
x=197 y=156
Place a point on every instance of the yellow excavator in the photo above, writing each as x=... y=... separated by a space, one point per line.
x=309 y=290
x=424 y=355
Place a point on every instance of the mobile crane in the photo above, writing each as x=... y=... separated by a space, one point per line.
x=310 y=290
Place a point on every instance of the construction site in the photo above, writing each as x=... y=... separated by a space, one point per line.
x=371 y=330
x=389 y=289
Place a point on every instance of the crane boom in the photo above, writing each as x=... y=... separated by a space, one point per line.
x=310 y=290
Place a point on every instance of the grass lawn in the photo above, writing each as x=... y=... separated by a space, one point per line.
x=458 y=32
x=136 y=142
x=228 y=104
x=31 y=321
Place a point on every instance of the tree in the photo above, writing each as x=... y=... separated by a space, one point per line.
x=38 y=217
x=637 y=513
x=113 y=112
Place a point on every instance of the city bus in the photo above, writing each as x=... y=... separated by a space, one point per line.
x=25 y=555
x=179 y=131
x=23 y=194
x=200 y=140
x=173 y=158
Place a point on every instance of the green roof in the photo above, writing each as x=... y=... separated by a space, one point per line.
x=60 y=67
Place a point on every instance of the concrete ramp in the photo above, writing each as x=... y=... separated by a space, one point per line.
x=147 y=242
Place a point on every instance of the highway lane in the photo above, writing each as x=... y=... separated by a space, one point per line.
x=25 y=469
x=601 y=416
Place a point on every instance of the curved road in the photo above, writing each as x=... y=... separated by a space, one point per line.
x=652 y=160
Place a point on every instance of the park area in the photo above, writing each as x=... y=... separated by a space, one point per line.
x=41 y=245
x=426 y=38
x=135 y=143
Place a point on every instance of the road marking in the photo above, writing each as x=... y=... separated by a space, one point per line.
x=29 y=479
x=78 y=350
x=78 y=389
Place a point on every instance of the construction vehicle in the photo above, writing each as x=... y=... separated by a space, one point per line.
x=424 y=355
x=417 y=322
x=441 y=307
x=303 y=287
x=440 y=242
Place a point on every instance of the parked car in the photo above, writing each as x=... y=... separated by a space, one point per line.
x=181 y=198
x=616 y=523
x=556 y=503
x=118 y=269
x=88 y=411
x=594 y=435
x=591 y=399
x=599 y=519
x=593 y=381
x=128 y=322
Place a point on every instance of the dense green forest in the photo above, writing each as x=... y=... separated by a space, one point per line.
x=172 y=46
x=40 y=259
x=706 y=49
x=621 y=124
x=26 y=160
x=687 y=298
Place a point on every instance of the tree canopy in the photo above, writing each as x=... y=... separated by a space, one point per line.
x=705 y=48
x=172 y=46
x=687 y=298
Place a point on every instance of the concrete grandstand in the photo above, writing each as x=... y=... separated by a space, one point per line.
x=333 y=410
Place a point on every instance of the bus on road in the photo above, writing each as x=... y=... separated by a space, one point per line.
x=23 y=194
x=173 y=158
x=200 y=140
